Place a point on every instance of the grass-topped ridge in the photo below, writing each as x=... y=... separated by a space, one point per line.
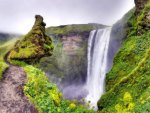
x=74 y=29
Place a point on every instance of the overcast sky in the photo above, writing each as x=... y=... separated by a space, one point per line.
x=17 y=16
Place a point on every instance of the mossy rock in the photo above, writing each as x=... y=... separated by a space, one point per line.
x=33 y=46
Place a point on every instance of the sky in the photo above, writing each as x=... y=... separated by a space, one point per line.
x=17 y=16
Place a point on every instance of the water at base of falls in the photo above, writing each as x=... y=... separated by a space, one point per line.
x=98 y=45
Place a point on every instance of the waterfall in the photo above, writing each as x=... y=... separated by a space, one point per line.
x=98 y=45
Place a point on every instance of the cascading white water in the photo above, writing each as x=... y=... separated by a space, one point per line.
x=98 y=44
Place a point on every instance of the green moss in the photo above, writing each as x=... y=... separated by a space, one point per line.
x=131 y=53
x=4 y=48
x=137 y=82
x=33 y=46
x=127 y=84
x=3 y=66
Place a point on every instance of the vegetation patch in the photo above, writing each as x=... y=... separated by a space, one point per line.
x=132 y=51
x=45 y=95
x=135 y=85
x=127 y=84
x=3 y=66
x=4 y=48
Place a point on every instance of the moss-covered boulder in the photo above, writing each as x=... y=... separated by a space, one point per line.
x=33 y=46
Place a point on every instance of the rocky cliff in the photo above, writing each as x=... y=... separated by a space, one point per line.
x=68 y=64
x=127 y=83
x=34 y=45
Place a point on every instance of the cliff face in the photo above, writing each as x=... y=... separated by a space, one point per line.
x=33 y=46
x=127 y=83
x=68 y=64
x=72 y=44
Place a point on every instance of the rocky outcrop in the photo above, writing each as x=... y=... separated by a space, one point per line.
x=143 y=16
x=33 y=46
x=139 y=5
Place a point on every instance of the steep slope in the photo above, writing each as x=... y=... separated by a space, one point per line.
x=127 y=84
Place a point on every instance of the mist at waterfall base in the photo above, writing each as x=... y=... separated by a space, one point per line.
x=103 y=44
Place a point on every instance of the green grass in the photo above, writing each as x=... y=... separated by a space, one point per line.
x=136 y=84
x=69 y=29
x=132 y=51
x=127 y=59
x=4 y=48
x=3 y=66
x=127 y=84
x=45 y=95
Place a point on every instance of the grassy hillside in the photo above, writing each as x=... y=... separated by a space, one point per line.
x=4 y=48
x=127 y=84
